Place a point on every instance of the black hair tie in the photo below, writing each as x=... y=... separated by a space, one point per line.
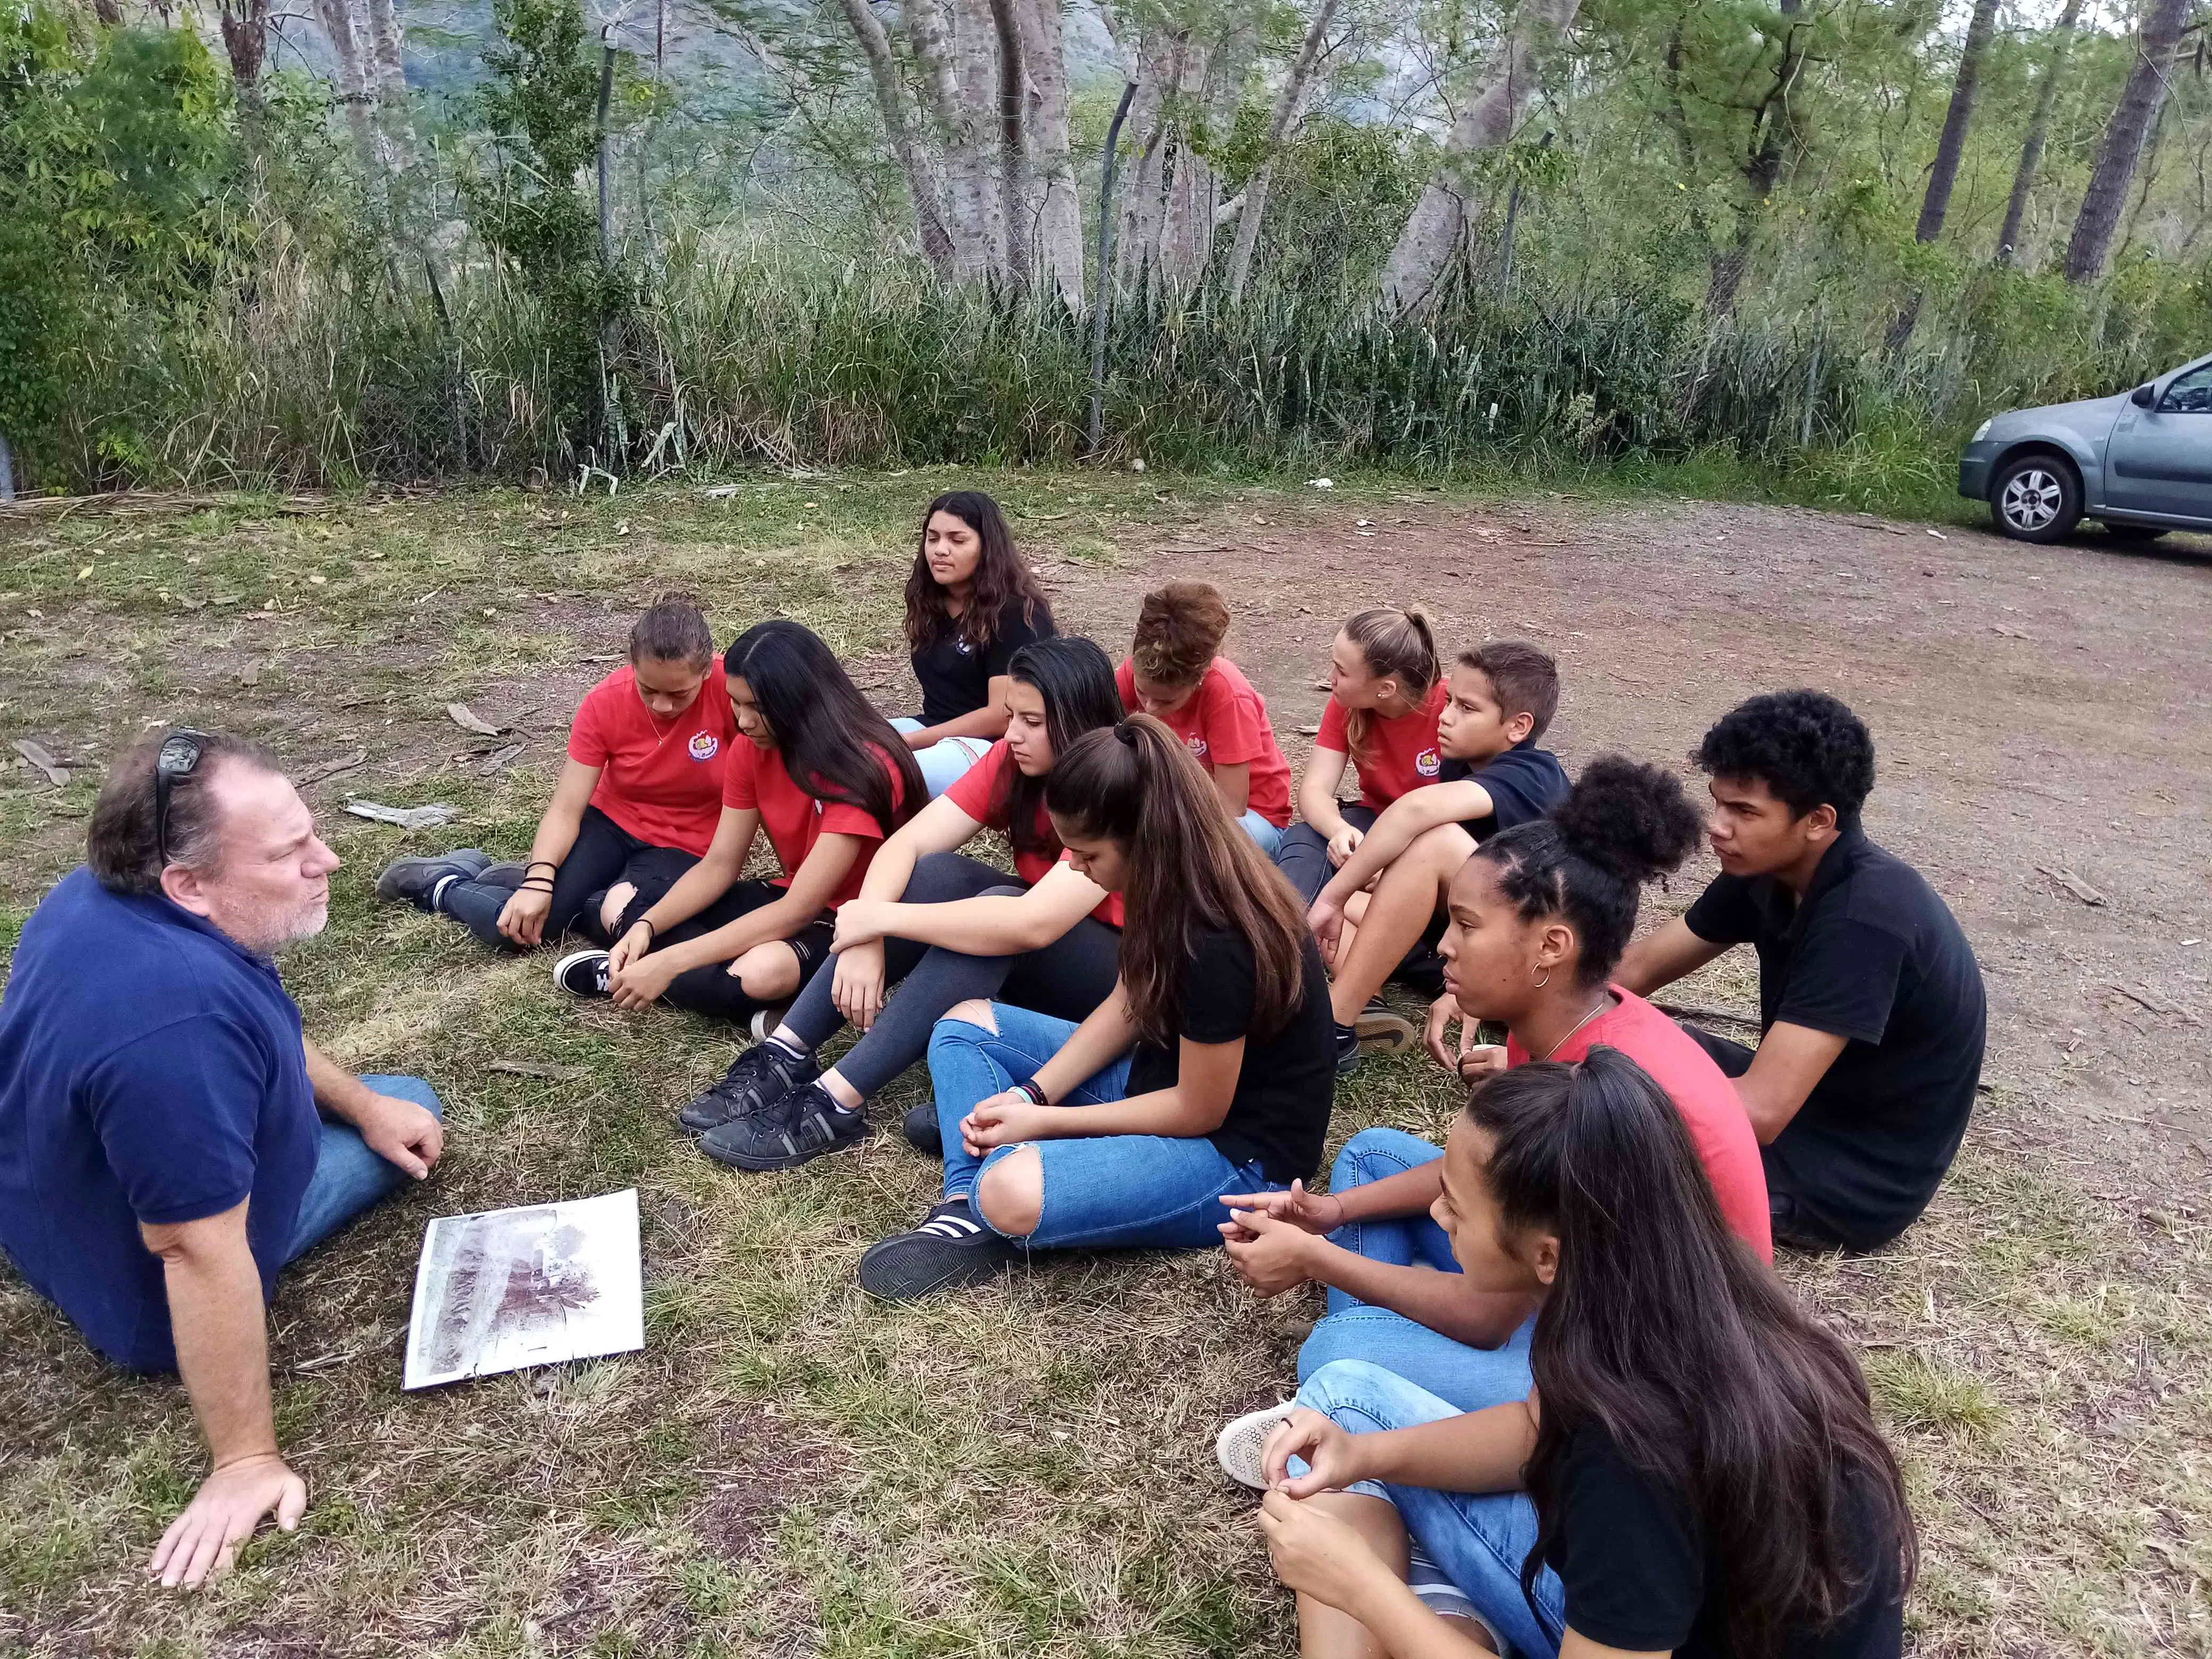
x=1127 y=733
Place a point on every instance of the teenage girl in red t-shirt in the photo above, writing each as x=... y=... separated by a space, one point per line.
x=635 y=806
x=944 y=928
x=1540 y=915
x=1385 y=690
x=825 y=774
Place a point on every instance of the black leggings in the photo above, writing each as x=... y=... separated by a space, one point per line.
x=604 y=855
x=1303 y=854
x=714 y=989
x=1067 y=978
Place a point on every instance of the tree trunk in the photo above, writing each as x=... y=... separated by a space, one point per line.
x=1255 y=188
x=337 y=20
x=2038 y=128
x=923 y=182
x=1432 y=233
x=1159 y=68
x=1058 y=210
x=1937 y=204
x=244 y=25
x=960 y=78
x=108 y=12
x=1762 y=171
x=1014 y=208
x=2107 y=194
x=2149 y=172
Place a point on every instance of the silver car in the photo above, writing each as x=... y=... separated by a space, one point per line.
x=2140 y=461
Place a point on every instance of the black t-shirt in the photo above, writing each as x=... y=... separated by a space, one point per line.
x=1280 y=1114
x=1872 y=954
x=956 y=677
x=1524 y=782
x=1638 y=1574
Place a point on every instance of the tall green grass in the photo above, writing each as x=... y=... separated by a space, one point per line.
x=308 y=376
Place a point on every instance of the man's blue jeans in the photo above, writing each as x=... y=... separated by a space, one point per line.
x=1479 y=1538
x=349 y=1177
x=1469 y=1377
x=1155 y=1192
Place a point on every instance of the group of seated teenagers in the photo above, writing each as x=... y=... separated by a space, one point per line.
x=1559 y=1402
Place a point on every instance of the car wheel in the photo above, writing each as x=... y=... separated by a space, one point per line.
x=2036 y=498
x=2135 y=534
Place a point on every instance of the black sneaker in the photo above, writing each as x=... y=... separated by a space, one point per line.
x=1380 y=1026
x=758 y=1078
x=582 y=973
x=415 y=879
x=788 y=1131
x=950 y=1247
x=509 y=875
x=1348 y=1050
x=923 y=1131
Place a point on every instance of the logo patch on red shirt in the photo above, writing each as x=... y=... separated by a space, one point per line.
x=1196 y=744
x=705 y=746
x=1428 y=762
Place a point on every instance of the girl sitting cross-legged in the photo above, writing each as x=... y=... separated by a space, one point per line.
x=825 y=774
x=1209 y=1065
x=635 y=806
x=942 y=927
x=1697 y=1471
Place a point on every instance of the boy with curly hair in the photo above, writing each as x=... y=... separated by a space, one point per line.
x=1871 y=1006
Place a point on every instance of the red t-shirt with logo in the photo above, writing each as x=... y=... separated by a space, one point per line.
x=980 y=793
x=795 y=820
x=1222 y=723
x=1711 y=1107
x=660 y=780
x=1401 y=753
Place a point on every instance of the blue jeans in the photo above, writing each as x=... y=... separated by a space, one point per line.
x=1470 y=1379
x=1479 y=1538
x=1155 y=1192
x=1264 y=834
x=945 y=761
x=349 y=1177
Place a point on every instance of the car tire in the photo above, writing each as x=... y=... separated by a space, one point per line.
x=2036 y=498
x=2135 y=535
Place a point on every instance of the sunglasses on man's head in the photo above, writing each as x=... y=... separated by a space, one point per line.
x=179 y=758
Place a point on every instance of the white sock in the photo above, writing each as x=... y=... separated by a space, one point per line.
x=438 y=892
x=787 y=1046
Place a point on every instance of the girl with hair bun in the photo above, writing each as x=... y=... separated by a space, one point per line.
x=1704 y=1476
x=1538 y=916
x=635 y=806
x=1208 y=1069
x=971 y=602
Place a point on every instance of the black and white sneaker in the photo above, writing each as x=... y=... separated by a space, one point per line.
x=950 y=1247
x=509 y=875
x=792 y=1130
x=923 y=1131
x=758 y=1078
x=582 y=973
x=416 y=880
x=1382 y=1027
x=1348 y=1050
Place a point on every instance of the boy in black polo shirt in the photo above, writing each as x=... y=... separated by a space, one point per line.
x=1869 y=997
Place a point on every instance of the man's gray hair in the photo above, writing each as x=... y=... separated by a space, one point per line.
x=123 y=846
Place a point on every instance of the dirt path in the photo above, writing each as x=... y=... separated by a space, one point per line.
x=2036 y=710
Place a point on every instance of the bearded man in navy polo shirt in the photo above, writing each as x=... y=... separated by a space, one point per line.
x=1871 y=1008
x=161 y=1155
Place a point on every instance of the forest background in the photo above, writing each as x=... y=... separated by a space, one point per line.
x=271 y=245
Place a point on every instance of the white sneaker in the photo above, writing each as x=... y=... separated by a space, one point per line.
x=1241 y=1448
x=582 y=973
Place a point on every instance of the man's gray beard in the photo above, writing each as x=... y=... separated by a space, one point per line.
x=299 y=930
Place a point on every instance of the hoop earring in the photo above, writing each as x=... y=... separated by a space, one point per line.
x=1546 y=980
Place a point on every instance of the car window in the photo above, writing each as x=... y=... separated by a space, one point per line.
x=2190 y=394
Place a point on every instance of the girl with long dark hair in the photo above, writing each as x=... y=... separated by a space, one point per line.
x=971 y=602
x=634 y=807
x=825 y=774
x=1704 y=1475
x=1538 y=916
x=946 y=928
x=1207 y=1068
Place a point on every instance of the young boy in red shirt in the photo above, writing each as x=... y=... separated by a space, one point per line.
x=1174 y=674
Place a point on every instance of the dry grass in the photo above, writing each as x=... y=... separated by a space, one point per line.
x=787 y=1468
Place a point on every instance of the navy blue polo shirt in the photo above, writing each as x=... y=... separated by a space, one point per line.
x=1524 y=782
x=151 y=1070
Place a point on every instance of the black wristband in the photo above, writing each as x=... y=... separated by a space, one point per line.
x=1035 y=1092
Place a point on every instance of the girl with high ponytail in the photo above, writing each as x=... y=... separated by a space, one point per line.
x=1208 y=1069
x=1704 y=1474
x=1538 y=917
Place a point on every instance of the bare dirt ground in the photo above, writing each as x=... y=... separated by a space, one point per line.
x=789 y=1467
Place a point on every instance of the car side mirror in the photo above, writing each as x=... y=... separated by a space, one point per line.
x=2143 y=396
